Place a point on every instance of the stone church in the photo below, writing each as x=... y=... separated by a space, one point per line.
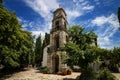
x=53 y=55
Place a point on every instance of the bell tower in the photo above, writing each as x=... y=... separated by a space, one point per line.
x=59 y=29
x=58 y=39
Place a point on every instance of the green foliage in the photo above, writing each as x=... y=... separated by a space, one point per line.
x=16 y=45
x=45 y=70
x=91 y=74
x=9 y=57
x=74 y=53
x=1 y=1
x=105 y=74
x=38 y=51
x=79 y=36
x=46 y=41
x=79 y=49
x=26 y=48
x=82 y=53
x=115 y=55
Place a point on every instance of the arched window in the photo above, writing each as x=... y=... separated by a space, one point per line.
x=66 y=38
x=57 y=42
x=57 y=24
x=65 y=24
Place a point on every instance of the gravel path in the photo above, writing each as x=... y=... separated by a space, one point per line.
x=33 y=74
x=117 y=75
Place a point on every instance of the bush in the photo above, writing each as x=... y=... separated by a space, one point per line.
x=45 y=70
x=105 y=74
x=89 y=74
x=114 y=68
x=64 y=72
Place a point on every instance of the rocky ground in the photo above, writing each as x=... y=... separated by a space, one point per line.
x=34 y=74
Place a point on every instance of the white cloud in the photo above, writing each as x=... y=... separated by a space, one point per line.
x=23 y=22
x=35 y=27
x=37 y=33
x=108 y=26
x=72 y=15
x=28 y=24
x=101 y=20
x=77 y=9
x=88 y=7
x=43 y=7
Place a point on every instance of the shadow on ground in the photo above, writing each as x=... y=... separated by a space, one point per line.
x=69 y=79
x=4 y=74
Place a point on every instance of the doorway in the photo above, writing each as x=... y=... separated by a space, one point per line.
x=55 y=63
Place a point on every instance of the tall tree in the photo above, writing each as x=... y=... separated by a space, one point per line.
x=80 y=52
x=38 y=51
x=115 y=59
x=26 y=49
x=1 y=1
x=46 y=41
x=79 y=36
x=80 y=42
x=15 y=44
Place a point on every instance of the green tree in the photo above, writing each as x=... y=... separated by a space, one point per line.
x=15 y=43
x=26 y=48
x=81 y=52
x=38 y=51
x=79 y=36
x=1 y=1
x=80 y=40
x=115 y=59
x=116 y=55
x=46 y=41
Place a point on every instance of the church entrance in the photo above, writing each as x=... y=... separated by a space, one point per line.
x=55 y=63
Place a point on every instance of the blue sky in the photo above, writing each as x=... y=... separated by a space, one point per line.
x=97 y=15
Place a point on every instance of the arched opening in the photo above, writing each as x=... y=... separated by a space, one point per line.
x=55 y=63
x=65 y=25
x=57 y=24
x=66 y=38
x=57 y=42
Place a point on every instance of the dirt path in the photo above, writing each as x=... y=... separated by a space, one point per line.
x=33 y=74
x=117 y=75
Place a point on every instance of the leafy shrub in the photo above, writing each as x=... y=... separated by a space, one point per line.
x=114 y=68
x=45 y=70
x=105 y=74
x=89 y=74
